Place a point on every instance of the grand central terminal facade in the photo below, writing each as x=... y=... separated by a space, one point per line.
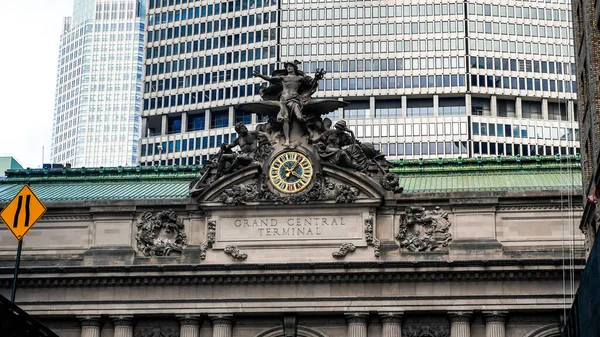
x=304 y=231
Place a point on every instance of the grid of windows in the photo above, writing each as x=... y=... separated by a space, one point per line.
x=440 y=62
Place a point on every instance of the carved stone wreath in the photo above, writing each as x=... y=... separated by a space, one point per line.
x=160 y=234
x=391 y=182
x=424 y=230
x=323 y=189
x=211 y=232
x=370 y=235
x=235 y=252
x=344 y=250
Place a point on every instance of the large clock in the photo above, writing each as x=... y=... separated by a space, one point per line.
x=290 y=172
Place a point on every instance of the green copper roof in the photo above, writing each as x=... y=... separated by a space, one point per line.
x=417 y=176
x=498 y=181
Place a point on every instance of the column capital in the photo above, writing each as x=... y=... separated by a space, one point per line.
x=357 y=317
x=90 y=321
x=122 y=320
x=189 y=319
x=391 y=316
x=460 y=316
x=221 y=319
x=494 y=316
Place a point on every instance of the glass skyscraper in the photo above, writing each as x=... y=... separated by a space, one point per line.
x=99 y=84
x=426 y=79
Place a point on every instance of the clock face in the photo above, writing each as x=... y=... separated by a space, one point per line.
x=290 y=172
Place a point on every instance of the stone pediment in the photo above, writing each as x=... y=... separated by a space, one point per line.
x=333 y=185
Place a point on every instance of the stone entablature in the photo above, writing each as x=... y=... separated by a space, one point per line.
x=450 y=229
x=383 y=264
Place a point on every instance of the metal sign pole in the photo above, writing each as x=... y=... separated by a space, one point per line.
x=14 y=285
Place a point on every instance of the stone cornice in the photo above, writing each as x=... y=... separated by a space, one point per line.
x=345 y=265
x=353 y=272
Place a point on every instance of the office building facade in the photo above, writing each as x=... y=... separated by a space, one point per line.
x=425 y=79
x=585 y=24
x=99 y=84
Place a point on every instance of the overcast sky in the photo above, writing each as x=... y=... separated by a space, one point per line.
x=30 y=36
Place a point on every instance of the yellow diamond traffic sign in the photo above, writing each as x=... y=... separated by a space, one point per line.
x=22 y=212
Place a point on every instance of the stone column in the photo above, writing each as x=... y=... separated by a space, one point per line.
x=494 y=106
x=206 y=119
x=90 y=326
x=436 y=105
x=545 y=109
x=222 y=325
x=494 y=323
x=371 y=107
x=357 y=324
x=123 y=325
x=145 y=127
x=404 y=105
x=189 y=326
x=184 y=123
x=391 y=324
x=231 y=116
x=468 y=105
x=571 y=111
x=164 y=124
x=518 y=107
x=460 y=323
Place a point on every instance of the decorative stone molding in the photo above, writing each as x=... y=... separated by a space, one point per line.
x=156 y=332
x=357 y=317
x=90 y=321
x=234 y=251
x=67 y=217
x=344 y=250
x=160 y=234
x=537 y=208
x=370 y=235
x=211 y=233
x=460 y=316
x=188 y=320
x=424 y=230
x=495 y=316
x=425 y=331
x=393 y=271
x=257 y=191
x=126 y=321
x=392 y=317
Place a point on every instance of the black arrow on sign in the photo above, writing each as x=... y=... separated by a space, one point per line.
x=19 y=203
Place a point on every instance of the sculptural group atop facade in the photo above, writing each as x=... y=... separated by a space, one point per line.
x=295 y=124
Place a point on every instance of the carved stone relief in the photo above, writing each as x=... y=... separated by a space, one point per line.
x=323 y=189
x=235 y=252
x=424 y=230
x=370 y=235
x=211 y=232
x=160 y=234
x=425 y=331
x=344 y=250
x=156 y=332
